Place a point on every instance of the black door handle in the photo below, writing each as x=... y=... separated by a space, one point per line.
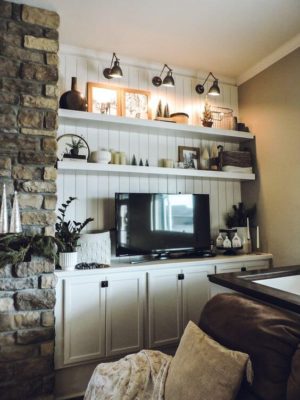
x=104 y=283
x=180 y=277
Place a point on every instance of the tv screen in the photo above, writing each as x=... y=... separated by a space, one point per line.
x=161 y=223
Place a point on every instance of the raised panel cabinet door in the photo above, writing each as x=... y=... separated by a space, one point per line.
x=164 y=308
x=195 y=292
x=84 y=319
x=125 y=303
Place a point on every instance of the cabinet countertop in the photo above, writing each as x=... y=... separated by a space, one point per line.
x=124 y=265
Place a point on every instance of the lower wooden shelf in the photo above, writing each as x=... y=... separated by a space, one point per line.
x=69 y=166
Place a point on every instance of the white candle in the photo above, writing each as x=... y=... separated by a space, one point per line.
x=257 y=237
x=248 y=229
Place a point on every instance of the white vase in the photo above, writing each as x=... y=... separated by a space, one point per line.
x=67 y=261
x=242 y=234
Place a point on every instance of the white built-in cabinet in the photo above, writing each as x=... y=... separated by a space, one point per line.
x=175 y=297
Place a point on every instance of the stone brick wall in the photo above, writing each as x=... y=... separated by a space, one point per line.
x=28 y=123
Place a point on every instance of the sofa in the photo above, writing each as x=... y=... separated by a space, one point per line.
x=270 y=336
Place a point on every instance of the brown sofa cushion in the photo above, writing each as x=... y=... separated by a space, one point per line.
x=270 y=336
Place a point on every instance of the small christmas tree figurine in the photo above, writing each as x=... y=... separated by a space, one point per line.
x=166 y=111
x=159 y=110
x=207 y=119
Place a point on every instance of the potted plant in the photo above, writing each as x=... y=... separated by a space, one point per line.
x=207 y=119
x=67 y=234
x=75 y=146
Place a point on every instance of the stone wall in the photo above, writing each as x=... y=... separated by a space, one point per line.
x=28 y=123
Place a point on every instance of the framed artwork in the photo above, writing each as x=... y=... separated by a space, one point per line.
x=71 y=147
x=103 y=98
x=190 y=156
x=135 y=103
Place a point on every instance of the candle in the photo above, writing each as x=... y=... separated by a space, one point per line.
x=248 y=229
x=257 y=237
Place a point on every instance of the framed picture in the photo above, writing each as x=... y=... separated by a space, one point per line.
x=190 y=156
x=103 y=98
x=135 y=103
x=71 y=147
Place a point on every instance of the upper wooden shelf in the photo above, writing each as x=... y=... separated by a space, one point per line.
x=174 y=129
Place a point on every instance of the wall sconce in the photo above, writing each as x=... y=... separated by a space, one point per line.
x=168 y=80
x=114 y=71
x=214 y=89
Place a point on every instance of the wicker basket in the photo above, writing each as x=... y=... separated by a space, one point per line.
x=180 y=118
x=240 y=159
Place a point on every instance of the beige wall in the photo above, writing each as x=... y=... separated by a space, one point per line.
x=269 y=104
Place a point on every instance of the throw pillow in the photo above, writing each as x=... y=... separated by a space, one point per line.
x=202 y=369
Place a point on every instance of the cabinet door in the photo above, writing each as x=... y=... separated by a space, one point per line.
x=164 y=308
x=125 y=302
x=251 y=265
x=83 y=319
x=195 y=292
x=229 y=267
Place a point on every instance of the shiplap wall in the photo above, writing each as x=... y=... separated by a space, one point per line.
x=96 y=192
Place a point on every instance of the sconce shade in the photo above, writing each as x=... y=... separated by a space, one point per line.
x=214 y=90
x=114 y=71
x=169 y=81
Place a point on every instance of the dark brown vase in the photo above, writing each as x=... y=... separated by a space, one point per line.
x=73 y=99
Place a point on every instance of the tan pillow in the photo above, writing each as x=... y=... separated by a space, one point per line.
x=203 y=369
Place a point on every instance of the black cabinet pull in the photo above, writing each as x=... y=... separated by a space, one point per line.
x=180 y=277
x=104 y=283
x=243 y=269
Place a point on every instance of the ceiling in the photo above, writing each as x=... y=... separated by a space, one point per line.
x=227 y=37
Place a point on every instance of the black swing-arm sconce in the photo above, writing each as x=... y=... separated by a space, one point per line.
x=115 y=70
x=168 y=80
x=214 y=89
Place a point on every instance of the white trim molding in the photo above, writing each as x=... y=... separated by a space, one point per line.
x=272 y=58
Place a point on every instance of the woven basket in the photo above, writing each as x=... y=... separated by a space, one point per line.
x=240 y=159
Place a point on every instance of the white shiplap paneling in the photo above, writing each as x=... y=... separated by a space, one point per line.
x=96 y=192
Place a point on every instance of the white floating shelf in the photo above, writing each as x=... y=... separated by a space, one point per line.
x=137 y=170
x=158 y=126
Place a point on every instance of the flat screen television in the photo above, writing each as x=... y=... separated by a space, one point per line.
x=162 y=224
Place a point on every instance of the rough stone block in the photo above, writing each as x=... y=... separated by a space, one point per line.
x=24 y=269
x=44 y=44
x=6 y=304
x=16 y=11
x=38 y=218
x=47 y=318
x=38 y=16
x=49 y=145
x=9 y=98
x=38 y=132
x=35 y=299
x=32 y=336
x=48 y=281
x=39 y=72
x=50 y=174
x=7 y=322
x=30 y=118
x=24 y=29
x=5 y=173
x=30 y=157
x=16 y=353
x=5 y=163
x=18 y=284
x=6 y=271
x=49 y=230
x=18 y=86
x=9 y=68
x=16 y=53
x=29 y=143
x=51 y=91
x=47 y=349
x=11 y=39
x=5 y=9
x=33 y=201
x=8 y=117
x=24 y=172
x=38 y=102
x=51 y=33
x=39 y=187
x=9 y=187
x=7 y=339
x=50 y=120
x=52 y=59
